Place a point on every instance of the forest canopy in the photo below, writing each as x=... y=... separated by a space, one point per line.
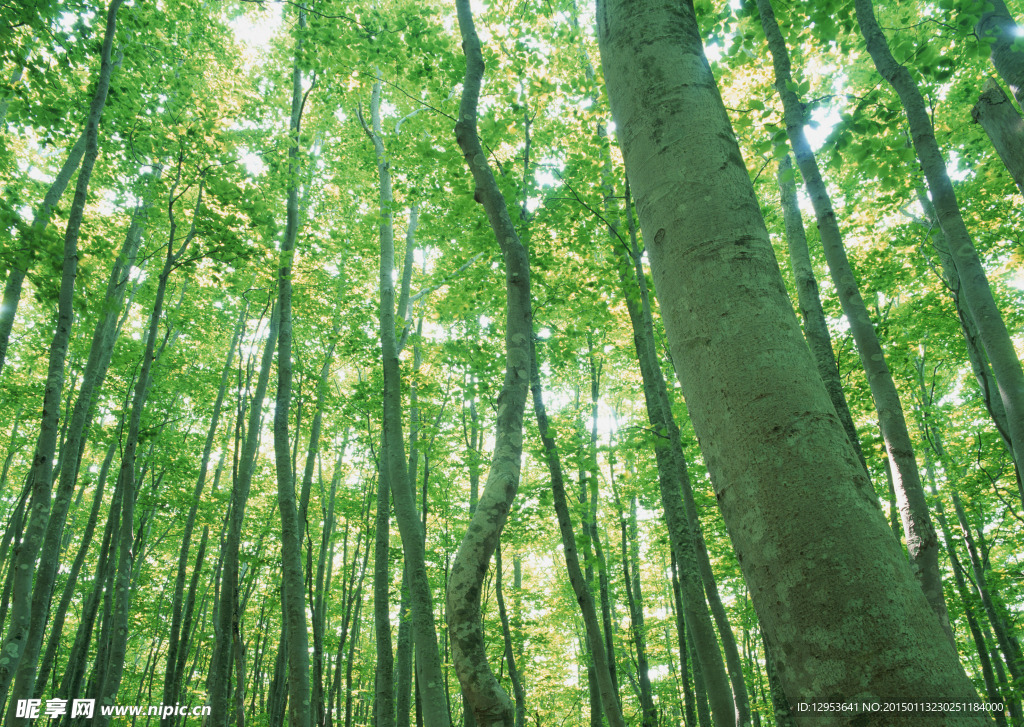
x=511 y=363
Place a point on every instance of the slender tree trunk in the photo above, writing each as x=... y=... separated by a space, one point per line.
x=991 y=688
x=228 y=616
x=292 y=589
x=584 y=597
x=974 y=282
x=24 y=563
x=634 y=598
x=689 y=707
x=491 y=705
x=176 y=641
x=769 y=433
x=77 y=426
x=393 y=463
x=57 y=626
x=922 y=543
x=815 y=328
x=41 y=219
x=510 y=656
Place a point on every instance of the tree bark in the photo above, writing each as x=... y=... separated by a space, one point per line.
x=292 y=596
x=393 y=463
x=998 y=27
x=226 y=623
x=584 y=597
x=491 y=705
x=24 y=563
x=1004 y=126
x=815 y=328
x=769 y=433
x=177 y=642
x=922 y=543
x=506 y=633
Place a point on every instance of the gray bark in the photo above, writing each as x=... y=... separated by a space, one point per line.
x=769 y=433
x=292 y=595
x=922 y=542
x=491 y=705
x=394 y=467
x=815 y=328
x=998 y=27
x=584 y=597
x=1004 y=126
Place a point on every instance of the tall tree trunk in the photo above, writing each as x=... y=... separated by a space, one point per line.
x=922 y=543
x=490 y=703
x=41 y=474
x=292 y=597
x=769 y=433
x=815 y=328
x=584 y=597
x=176 y=642
x=634 y=598
x=117 y=628
x=980 y=366
x=681 y=639
x=226 y=624
x=506 y=633
x=974 y=282
x=40 y=221
x=72 y=449
x=393 y=463
x=57 y=625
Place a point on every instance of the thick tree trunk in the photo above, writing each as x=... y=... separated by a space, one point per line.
x=677 y=480
x=922 y=543
x=1004 y=126
x=974 y=282
x=491 y=705
x=769 y=433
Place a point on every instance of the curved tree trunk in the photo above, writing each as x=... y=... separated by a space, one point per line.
x=1004 y=126
x=491 y=705
x=770 y=435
